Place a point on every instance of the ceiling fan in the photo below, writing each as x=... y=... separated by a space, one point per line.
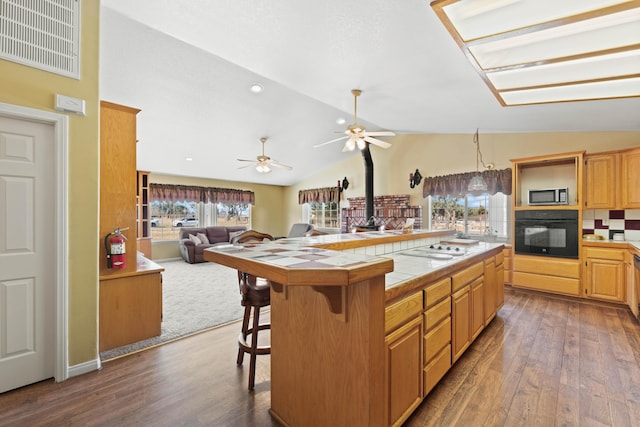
x=263 y=162
x=356 y=134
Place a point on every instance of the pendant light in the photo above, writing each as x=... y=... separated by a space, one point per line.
x=477 y=185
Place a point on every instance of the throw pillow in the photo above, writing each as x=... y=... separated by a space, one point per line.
x=194 y=239
x=203 y=238
x=234 y=234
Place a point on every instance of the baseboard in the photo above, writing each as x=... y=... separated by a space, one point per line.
x=167 y=259
x=85 y=367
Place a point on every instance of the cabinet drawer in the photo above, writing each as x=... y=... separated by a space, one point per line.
x=500 y=258
x=561 y=285
x=460 y=279
x=435 y=370
x=437 y=339
x=402 y=311
x=437 y=313
x=547 y=266
x=604 y=253
x=437 y=291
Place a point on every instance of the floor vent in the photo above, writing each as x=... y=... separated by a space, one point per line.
x=44 y=34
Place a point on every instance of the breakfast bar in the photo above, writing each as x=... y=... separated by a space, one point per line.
x=335 y=302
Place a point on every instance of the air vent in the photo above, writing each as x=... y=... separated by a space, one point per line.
x=42 y=33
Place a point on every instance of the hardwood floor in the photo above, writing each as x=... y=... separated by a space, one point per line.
x=543 y=361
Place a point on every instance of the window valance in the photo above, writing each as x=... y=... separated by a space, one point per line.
x=191 y=193
x=319 y=195
x=498 y=181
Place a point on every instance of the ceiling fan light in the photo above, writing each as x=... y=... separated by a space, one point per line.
x=263 y=168
x=350 y=144
x=361 y=144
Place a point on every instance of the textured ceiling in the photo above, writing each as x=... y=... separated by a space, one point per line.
x=189 y=64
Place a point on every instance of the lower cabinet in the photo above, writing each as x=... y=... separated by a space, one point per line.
x=426 y=332
x=437 y=333
x=403 y=358
x=605 y=274
x=404 y=369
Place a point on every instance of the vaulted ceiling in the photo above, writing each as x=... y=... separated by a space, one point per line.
x=188 y=65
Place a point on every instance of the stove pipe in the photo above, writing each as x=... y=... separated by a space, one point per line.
x=368 y=189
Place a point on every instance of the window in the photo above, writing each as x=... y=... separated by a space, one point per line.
x=477 y=216
x=321 y=215
x=167 y=218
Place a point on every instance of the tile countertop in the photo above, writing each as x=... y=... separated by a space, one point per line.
x=411 y=267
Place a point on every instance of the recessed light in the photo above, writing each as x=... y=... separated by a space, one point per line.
x=188 y=159
x=340 y=121
x=256 y=88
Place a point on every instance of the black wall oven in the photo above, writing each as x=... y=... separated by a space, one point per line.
x=546 y=232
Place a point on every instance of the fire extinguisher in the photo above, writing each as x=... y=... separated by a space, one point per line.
x=114 y=243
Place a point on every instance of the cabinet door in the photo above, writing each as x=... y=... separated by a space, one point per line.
x=404 y=371
x=630 y=179
x=477 y=307
x=490 y=291
x=461 y=328
x=605 y=279
x=499 y=287
x=600 y=181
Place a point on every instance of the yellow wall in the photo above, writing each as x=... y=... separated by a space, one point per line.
x=267 y=215
x=446 y=154
x=29 y=87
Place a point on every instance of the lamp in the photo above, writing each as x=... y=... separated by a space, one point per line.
x=540 y=51
x=415 y=178
x=477 y=185
x=344 y=185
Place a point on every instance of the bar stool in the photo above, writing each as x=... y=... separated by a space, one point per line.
x=255 y=294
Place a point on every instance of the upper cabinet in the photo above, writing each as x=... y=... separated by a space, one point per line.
x=600 y=179
x=612 y=180
x=559 y=171
x=630 y=162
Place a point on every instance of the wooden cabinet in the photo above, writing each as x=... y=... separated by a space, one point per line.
x=118 y=177
x=143 y=224
x=477 y=307
x=437 y=333
x=556 y=275
x=630 y=176
x=507 y=253
x=130 y=305
x=600 y=178
x=559 y=170
x=490 y=289
x=612 y=180
x=467 y=311
x=130 y=311
x=605 y=274
x=461 y=323
x=403 y=358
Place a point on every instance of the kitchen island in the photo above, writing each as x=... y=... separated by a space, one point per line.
x=349 y=331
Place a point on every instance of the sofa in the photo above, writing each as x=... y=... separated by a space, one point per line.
x=192 y=247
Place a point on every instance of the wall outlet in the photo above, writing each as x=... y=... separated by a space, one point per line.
x=605 y=221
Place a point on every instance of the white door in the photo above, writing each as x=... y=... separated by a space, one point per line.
x=27 y=262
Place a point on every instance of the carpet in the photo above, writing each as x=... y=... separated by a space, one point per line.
x=195 y=297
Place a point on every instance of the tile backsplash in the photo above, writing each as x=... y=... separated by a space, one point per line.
x=605 y=222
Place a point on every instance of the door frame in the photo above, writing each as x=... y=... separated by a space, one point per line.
x=60 y=124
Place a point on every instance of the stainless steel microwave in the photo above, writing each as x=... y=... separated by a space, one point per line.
x=549 y=196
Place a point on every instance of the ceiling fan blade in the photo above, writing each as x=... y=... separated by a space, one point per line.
x=244 y=167
x=380 y=133
x=280 y=165
x=380 y=143
x=329 y=142
x=245 y=160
